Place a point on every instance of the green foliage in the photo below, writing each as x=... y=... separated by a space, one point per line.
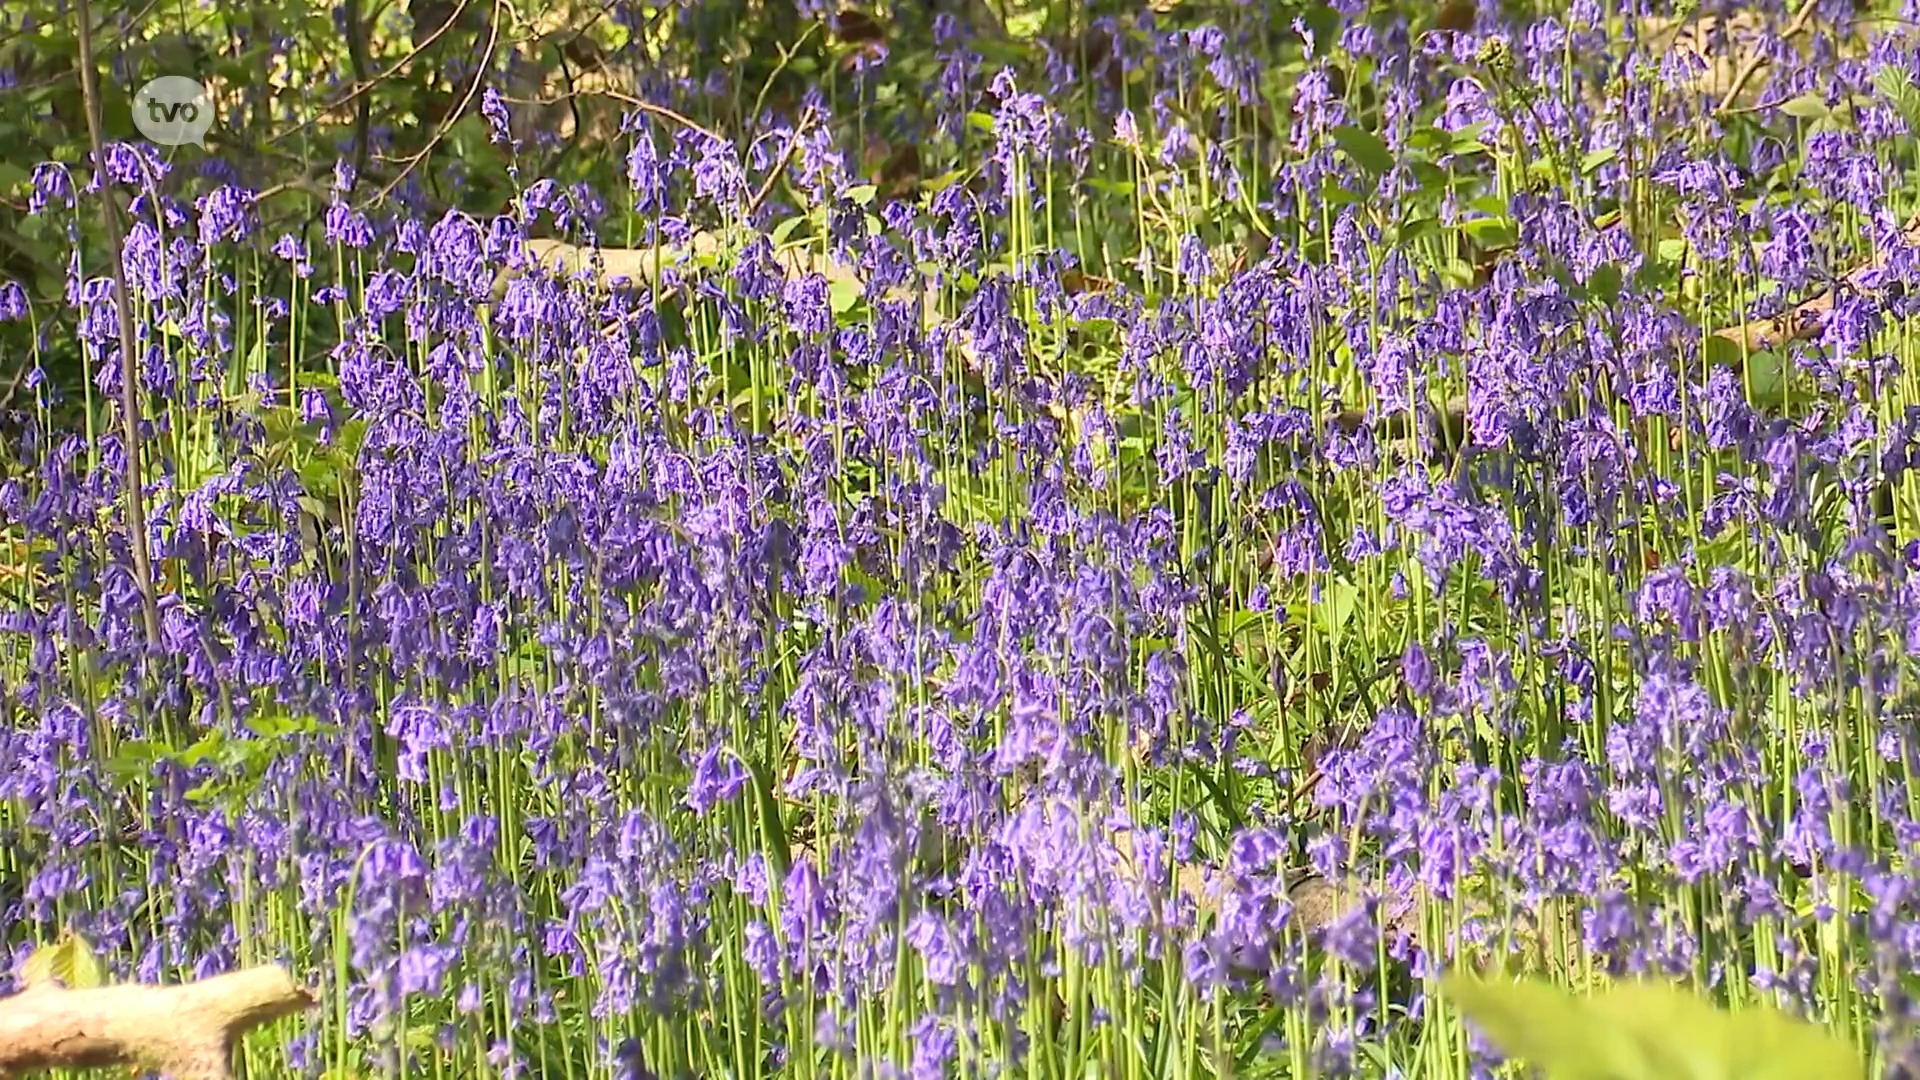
x=237 y=762
x=1647 y=1031
x=70 y=961
x=1365 y=148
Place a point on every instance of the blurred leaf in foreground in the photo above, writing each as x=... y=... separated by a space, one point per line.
x=1647 y=1031
x=69 y=961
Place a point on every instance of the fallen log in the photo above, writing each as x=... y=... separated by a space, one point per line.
x=614 y=268
x=183 y=1032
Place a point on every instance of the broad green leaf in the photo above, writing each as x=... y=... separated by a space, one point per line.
x=1429 y=177
x=1491 y=205
x=209 y=745
x=945 y=180
x=785 y=229
x=843 y=294
x=1897 y=86
x=85 y=968
x=1457 y=273
x=1754 y=1043
x=1549 y=1028
x=1365 y=148
x=70 y=961
x=1594 y=159
x=1489 y=232
x=1418 y=226
x=773 y=829
x=1339 y=600
x=135 y=757
x=1335 y=195
x=862 y=194
x=350 y=438
x=1647 y=1031
x=1808 y=106
x=1434 y=139
x=1604 y=284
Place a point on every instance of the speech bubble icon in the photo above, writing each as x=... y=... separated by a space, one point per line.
x=172 y=110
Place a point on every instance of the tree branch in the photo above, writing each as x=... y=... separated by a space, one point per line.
x=184 y=1032
x=130 y=408
x=1756 y=58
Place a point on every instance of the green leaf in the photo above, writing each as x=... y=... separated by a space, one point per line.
x=1754 y=1043
x=70 y=961
x=1898 y=88
x=1336 y=195
x=1549 y=1028
x=1418 y=226
x=1365 y=148
x=1338 y=602
x=1808 y=106
x=1646 y=1031
x=1594 y=159
x=1490 y=205
x=773 y=829
x=785 y=229
x=280 y=725
x=844 y=294
x=1432 y=139
x=1489 y=232
x=944 y=181
x=209 y=745
x=86 y=970
x=135 y=758
x=1604 y=285
x=862 y=194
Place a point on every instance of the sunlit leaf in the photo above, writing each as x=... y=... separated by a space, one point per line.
x=843 y=295
x=1808 y=106
x=70 y=962
x=1646 y=1031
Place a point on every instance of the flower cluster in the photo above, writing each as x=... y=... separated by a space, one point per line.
x=1286 y=517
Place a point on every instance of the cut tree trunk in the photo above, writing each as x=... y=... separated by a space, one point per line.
x=183 y=1032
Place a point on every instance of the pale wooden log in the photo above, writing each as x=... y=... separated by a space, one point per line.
x=184 y=1032
x=623 y=267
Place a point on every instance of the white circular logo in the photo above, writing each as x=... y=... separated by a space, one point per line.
x=172 y=110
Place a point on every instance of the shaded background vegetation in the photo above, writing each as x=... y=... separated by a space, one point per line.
x=394 y=89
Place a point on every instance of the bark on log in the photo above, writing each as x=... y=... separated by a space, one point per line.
x=184 y=1032
x=1804 y=320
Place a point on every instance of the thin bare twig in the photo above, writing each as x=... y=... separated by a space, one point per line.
x=13 y=386
x=779 y=167
x=362 y=88
x=626 y=99
x=130 y=408
x=413 y=160
x=1757 y=59
x=362 y=109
